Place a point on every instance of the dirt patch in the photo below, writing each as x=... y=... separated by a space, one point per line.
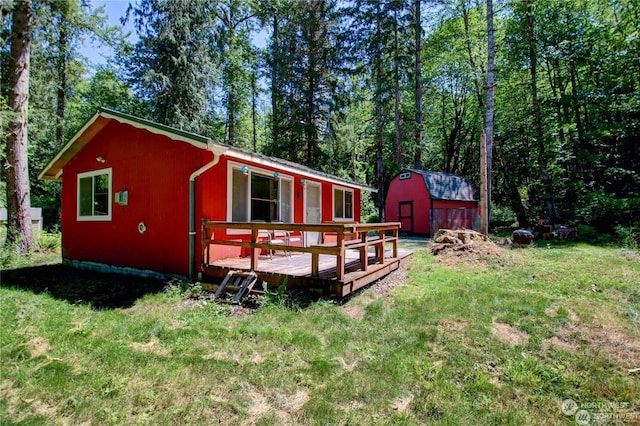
x=559 y=343
x=454 y=325
x=38 y=346
x=354 y=312
x=455 y=247
x=509 y=334
x=290 y=403
x=605 y=336
x=402 y=404
x=617 y=343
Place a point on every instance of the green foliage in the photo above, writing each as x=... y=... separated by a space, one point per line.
x=503 y=216
x=424 y=352
x=181 y=289
x=278 y=298
x=338 y=72
x=587 y=233
x=171 y=66
x=629 y=237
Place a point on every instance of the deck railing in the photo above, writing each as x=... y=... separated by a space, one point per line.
x=354 y=236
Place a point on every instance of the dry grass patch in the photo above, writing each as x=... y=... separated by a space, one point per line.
x=152 y=346
x=403 y=404
x=355 y=312
x=605 y=335
x=509 y=334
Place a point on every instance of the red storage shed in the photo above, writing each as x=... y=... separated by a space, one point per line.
x=135 y=192
x=424 y=201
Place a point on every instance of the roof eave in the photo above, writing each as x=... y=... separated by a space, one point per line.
x=294 y=168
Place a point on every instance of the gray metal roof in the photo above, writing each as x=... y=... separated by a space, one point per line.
x=446 y=186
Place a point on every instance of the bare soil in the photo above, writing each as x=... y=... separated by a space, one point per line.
x=101 y=290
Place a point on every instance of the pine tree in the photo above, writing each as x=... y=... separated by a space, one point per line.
x=19 y=233
x=171 y=64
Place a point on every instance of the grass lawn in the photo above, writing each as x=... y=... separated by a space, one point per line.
x=501 y=338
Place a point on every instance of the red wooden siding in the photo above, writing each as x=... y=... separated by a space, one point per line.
x=154 y=170
x=415 y=190
x=418 y=209
x=212 y=196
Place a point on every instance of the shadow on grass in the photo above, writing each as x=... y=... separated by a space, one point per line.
x=100 y=290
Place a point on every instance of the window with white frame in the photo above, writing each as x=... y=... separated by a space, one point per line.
x=94 y=195
x=342 y=204
x=258 y=195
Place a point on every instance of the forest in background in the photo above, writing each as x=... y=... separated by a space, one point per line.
x=362 y=89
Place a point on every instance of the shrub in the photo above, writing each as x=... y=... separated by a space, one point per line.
x=629 y=237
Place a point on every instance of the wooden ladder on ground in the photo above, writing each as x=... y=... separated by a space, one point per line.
x=243 y=280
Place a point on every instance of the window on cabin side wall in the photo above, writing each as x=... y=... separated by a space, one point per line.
x=259 y=197
x=94 y=195
x=342 y=204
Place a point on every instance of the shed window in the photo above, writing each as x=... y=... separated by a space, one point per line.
x=257 y=196
x=94 y=195
x=342 y=204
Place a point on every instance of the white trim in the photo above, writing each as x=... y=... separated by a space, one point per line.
x=105 y=218
x=157 y=131
x=246 y=156
x=66 y=147
x=231 y=165
x=333 y=203
x=311 y=238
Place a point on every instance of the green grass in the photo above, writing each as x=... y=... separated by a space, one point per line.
x=425 y=352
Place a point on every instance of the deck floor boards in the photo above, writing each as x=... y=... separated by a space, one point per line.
x=296 y=267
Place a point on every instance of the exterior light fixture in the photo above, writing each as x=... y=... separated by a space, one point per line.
x=245 y=170
x=100 y=159
x=303 y=182
x=276 y=176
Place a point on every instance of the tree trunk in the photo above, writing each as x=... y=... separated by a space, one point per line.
x=254 y=95
x=537 y=114
x=417 y=162
x=396 y=77
x=484 y=211
x=62 y=74
x=488 y=122
x=19 y=232
x=275 y=86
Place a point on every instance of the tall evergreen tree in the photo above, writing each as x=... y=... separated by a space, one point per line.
x=171 y=65
x=235 y=22
x=304 y=59
x=19 y=233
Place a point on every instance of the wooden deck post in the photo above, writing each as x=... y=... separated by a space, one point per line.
x=395 y=243
x=341 y=255
x=254 y=256
x=364 y=263
x=315 y=264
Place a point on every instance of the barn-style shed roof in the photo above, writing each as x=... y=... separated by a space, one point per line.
x=446 y=186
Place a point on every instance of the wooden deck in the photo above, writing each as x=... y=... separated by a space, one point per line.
x=360 y=255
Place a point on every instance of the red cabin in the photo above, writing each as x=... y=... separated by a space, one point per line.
x=134 y=194
x=425 y=201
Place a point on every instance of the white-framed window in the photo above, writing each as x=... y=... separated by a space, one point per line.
x=342 y=203
x=94 y=195
x=257 y=195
